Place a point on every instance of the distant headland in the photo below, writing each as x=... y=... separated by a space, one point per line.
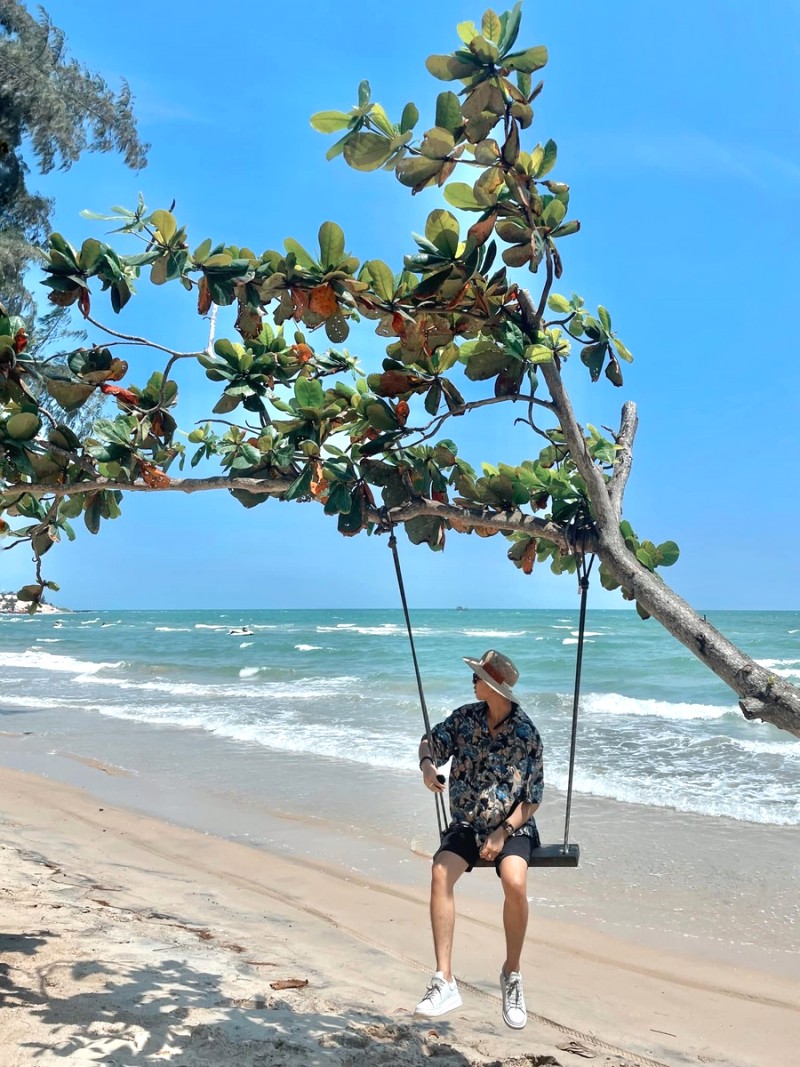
x=10 y=604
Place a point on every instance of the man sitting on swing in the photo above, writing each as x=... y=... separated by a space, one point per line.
x=496 y=784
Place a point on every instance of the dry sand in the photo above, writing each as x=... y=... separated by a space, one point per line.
x=127 y=941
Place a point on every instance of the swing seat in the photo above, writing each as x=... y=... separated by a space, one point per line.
x=547 y=856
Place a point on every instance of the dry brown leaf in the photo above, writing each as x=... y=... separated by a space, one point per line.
x=289 y=983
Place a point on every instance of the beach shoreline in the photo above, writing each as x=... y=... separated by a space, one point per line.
x=150 y=942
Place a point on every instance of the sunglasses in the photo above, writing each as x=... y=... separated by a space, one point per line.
x=475 y=679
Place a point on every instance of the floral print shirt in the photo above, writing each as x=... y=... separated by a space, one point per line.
x=489 y=776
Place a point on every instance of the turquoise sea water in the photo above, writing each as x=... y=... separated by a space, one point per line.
x=656 y=728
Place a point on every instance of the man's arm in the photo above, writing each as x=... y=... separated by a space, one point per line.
x=493 y=845
x=519 y=816
x=424 y=751
x=430 y=772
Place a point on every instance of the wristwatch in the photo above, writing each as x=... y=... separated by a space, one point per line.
x=509 y=829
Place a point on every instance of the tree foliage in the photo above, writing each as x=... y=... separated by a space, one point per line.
x=52 y=110
x=304 y=422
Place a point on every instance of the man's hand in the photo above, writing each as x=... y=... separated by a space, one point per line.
x=430 y=777
x=493 y=845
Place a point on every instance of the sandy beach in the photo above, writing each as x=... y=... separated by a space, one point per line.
x=129 y=940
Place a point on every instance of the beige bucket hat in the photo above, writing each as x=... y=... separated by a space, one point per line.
x=497 y=671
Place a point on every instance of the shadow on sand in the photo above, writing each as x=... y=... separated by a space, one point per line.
x=131 y=1015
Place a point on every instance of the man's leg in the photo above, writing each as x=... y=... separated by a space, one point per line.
x=447 y=869
x=514 y=878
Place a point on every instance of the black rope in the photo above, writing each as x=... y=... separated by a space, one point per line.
x=441 y=817
x=583 y=586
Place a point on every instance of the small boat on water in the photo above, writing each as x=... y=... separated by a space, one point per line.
x=241 y=631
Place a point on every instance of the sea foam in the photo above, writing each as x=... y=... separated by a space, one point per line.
x=616 y=704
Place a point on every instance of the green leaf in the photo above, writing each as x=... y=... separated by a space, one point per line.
x=164 y=222
x=510 y=21
x=452 y=397
x=461 y=196
x=364 y=93
x=331 y=245
x=621 y=350
x=339 y=501
x=445 y=358
x=382 y=278
x=426 y=530
x=442 y=230
x=517 y=255
x=309 y=393
x=249 y=500
x=300 y=486
x=410 y=117
x=593 y=356
x=567 y=229
x=382 y=120
x=30 y=593
x=491 y=27
x=202 y=250
x=23 y=426
x=93 y=512
x=92 y=252
x=303 y=258
x=559 y=303
x=467 y=30
x=448 y=111
x=367 y=151
x=416 y=171
x=528 y=61
x=605 y=318
x=613 y=373
x=553 y=214
x=437 y=143
x=538 y=354
x=486 y=364
x=68 y=395
x=484 y=50
x=381 y=417
x=330 y=121
x=433 y=398
x=548 y=159
x=645 y=558
x=449 y=68
x=352 y=522
x=669 y=553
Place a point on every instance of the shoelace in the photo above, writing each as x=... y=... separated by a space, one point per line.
x=514 y=991
x=437 y=986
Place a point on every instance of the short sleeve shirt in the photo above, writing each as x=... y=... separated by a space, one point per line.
x=489 y=776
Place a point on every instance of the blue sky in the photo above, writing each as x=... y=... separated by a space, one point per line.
x=678 y=129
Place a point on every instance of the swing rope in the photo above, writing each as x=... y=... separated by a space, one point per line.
x=583 y=586
x=441 y=817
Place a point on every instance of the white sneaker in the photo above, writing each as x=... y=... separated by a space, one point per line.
x=515 y=1014
x=441 y=996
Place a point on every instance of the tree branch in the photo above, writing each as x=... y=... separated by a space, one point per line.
x=131 y=339
x=629 y=422
x=572 y=430
x=473 y=405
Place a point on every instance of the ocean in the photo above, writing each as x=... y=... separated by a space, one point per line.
x=655 y=728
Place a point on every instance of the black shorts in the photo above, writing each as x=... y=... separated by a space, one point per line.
x=461 y=840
